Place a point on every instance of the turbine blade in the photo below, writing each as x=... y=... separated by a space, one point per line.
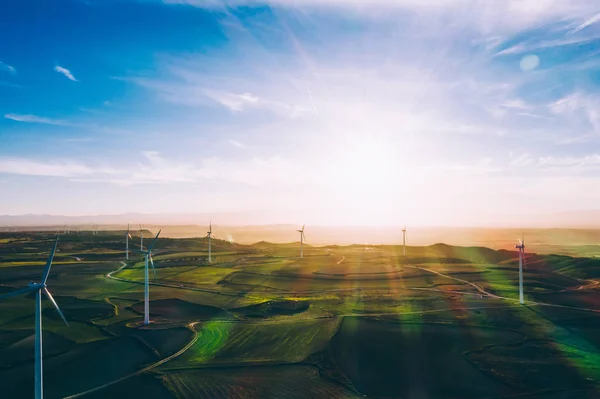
x=303 y=227
x=154 y=242
x=55 y=305
x=49 y=262
x=18 y=292
x=153 y=269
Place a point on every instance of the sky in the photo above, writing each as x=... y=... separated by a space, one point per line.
x=318 y=111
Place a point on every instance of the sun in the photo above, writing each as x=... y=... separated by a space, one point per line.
x=367 y=163
x=367 y=181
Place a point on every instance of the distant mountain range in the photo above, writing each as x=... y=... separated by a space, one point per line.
x=567 y=229
x=229 y=218
x=588 y=219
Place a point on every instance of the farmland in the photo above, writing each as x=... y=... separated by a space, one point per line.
x=342 y=322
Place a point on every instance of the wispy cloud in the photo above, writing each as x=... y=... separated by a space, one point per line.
x=28 y=118
x=487 y=16
x=63 y=168
x=7 y=68
x=521 y=160
x=233 y=101
x=153 y=168
x=579 y=106
x=582 y=162
x=65 y=72
x=236 y=143
x=585 y=23
x=521 y=48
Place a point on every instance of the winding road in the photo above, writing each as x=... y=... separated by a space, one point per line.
x=191 y=326
x=489 y=294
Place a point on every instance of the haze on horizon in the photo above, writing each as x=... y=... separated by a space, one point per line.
x=419 y=112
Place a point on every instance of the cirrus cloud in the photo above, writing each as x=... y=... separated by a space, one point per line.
x=65 y=72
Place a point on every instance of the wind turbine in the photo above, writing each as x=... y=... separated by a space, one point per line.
x=209 y=235
x=141 y=238
x=302 y=238
x=127 y=237
x=38 y=289
x=148 y=257
x=404 y=239
x=521 y=248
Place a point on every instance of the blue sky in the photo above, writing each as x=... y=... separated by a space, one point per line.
x=333 y=112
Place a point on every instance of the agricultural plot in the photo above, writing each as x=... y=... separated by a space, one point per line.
x=82 y=367
x=189 y=275
x=404 y=360
x=227 y=343
x=287 y=382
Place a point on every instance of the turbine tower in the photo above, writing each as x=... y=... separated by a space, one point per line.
x=302 y=238
x=141 y=238
x=127 y=237
x=404 y=240
x=39 y=288
x=521 y=248
x=209 y=235
x=148 y=257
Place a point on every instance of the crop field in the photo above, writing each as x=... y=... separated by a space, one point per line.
x=358 y=321
x=257 y=342
x=259 y=382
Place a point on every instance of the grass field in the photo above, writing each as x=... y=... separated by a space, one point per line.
x=342 y=322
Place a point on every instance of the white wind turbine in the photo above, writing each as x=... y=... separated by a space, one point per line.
x=404 y=240
x=127 y=237
x=302 y=238
x=38 y=289
x=209 y=235
x=148 y=258
x=521 y=248
x=141 y=238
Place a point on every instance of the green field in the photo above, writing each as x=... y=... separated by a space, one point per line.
x=259 y=322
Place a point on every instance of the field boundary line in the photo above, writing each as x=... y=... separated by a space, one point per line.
x=192 y=326
x=484 y=292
